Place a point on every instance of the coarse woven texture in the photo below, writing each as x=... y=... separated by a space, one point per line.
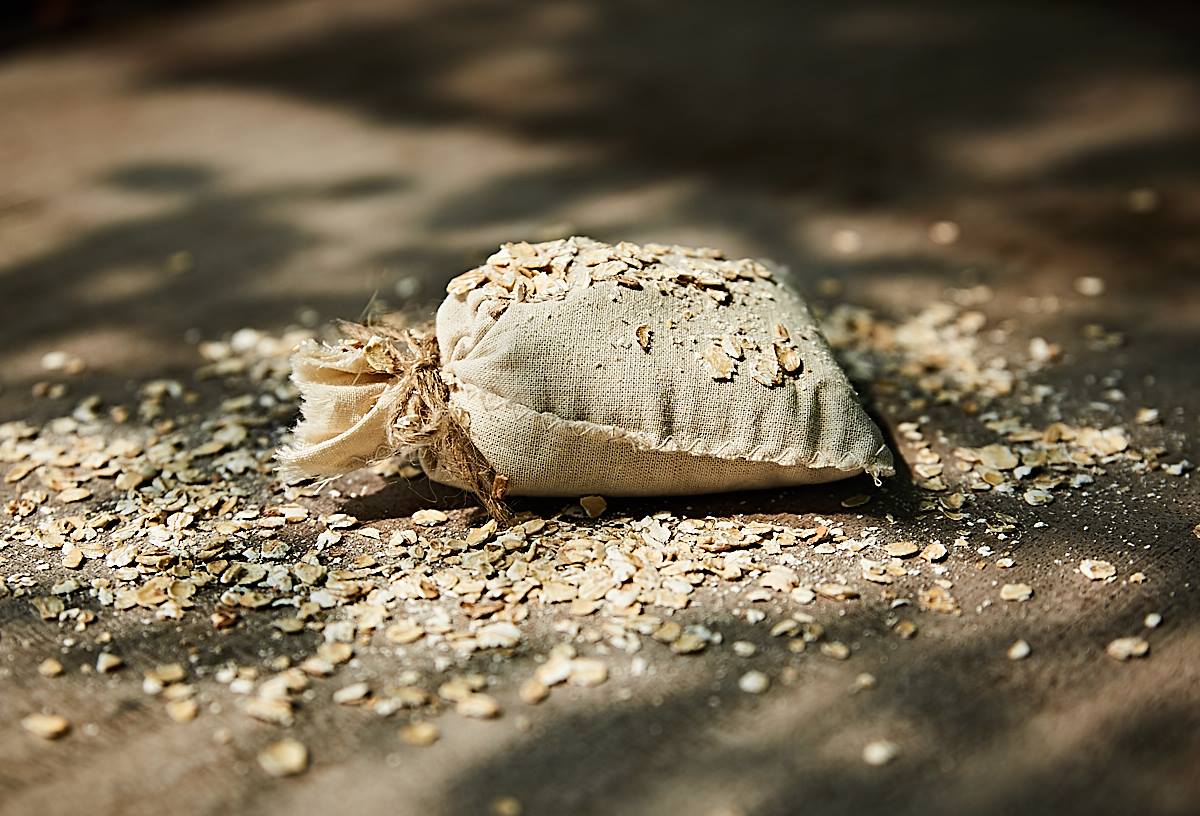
x=564 y=399
x=347 y=409
x=577 y=367
x=369 y=399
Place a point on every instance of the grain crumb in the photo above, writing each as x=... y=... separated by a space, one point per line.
x=593 y=505
x=287 y=757
x=420 y=733
x=478 y=706
x=880 y=752
x=754 y=682
x=108 y=662
x=1127 y=648
x=1016 y=592
x=1096 y=570
x=46 y=726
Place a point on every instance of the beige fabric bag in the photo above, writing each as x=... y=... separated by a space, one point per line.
x=575 y=367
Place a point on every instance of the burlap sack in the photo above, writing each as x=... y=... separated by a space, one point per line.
x=574 y=367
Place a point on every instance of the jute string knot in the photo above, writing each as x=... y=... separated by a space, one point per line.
x=386 y=402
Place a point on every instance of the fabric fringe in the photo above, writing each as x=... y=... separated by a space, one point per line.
x=366 y=400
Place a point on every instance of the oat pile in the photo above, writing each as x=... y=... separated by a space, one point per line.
x=535 y=273
x=120 y=519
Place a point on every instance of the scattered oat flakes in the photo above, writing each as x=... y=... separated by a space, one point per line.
x=107 y=662
x=428 y=517
x=404 y=632
x=803 y=595
x=478 y=706
x=1147 y=416
x=1043 y=351
x=938 y=599
x=688 y=643
x=506 y=806
x=593 y=505
x=744 y=648
x=1096 y=570
x=1016 y=592
x=645 y=336
x=901 y=549
x=998 y=457
x=46 y=726
x=335 y=652
x=1126 y=648
x=837 y=592
x=846 y=241
x=290 y=626
x=533 y=691
x=501 y=635
x=754 y=682
x=880 y=752
x=182 y=711
x=864 y=681
x=1036 y=496
x=934 y=552
x=420 y=733
x=835 y=649
x=48 y=608
x=1019 y=650
x=274 y=711
x=19 y=471
x=352 y=694
x=175 y=537
x=167 y=673
x=587 y=672
x=72 y=558
x=789 y=358
x=718 y=364
x=287 y=757
x=944 y=233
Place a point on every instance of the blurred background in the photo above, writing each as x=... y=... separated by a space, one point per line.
x=174 y=172
x=178 y=171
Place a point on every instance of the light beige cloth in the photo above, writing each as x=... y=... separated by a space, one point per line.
x=589 y=385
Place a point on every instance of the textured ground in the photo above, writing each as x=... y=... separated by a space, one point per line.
x=176 y=180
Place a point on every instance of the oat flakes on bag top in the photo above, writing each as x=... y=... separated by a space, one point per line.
x=573 y=367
